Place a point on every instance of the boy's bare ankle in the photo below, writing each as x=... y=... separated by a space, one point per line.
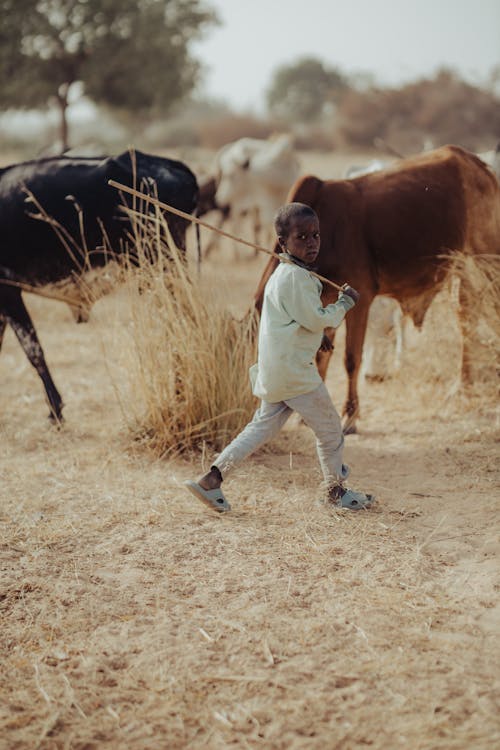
x=335 y=492
x=212 y=480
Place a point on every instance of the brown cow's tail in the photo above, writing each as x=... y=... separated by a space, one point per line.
x=305 y=190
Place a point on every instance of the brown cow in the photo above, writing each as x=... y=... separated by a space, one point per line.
x=390 y=232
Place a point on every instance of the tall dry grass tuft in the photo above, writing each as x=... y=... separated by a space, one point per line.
x=187 y=358
x=479 y=277
x=430 y=378
x=86 y=284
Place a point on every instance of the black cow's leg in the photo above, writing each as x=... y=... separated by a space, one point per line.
x=16 y=314
x=178 y=228
x=356 y=321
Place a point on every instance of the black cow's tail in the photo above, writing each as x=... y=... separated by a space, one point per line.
x=198 y=241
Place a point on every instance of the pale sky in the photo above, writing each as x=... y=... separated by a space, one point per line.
x=396 y=40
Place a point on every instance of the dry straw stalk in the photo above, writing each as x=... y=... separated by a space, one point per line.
x=188 y=357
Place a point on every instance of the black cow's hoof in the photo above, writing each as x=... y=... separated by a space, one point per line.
x=56 y=419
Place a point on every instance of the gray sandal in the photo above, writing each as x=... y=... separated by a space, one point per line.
x=353 y=500
x=213 y=498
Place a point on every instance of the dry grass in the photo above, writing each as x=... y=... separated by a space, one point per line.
x=479 y=276
x=429 y=380
x=133 y=618
x=187 y=357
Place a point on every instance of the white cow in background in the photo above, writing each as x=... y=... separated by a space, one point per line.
x=384 y=343
x=356 y=170
x=492 y=159
x=253 y=177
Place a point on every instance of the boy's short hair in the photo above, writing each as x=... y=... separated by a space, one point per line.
x=287 y=213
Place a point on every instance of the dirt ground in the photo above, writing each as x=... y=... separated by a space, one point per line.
x=132 y=617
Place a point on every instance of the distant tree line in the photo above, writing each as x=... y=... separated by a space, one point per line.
x=339 y=111
x=129 y=54
x=134 y=57
x=444 y=109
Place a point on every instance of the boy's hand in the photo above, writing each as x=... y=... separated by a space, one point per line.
x=326 y=345
x=352 y=293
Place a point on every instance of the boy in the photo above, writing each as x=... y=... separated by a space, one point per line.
x=285 y=377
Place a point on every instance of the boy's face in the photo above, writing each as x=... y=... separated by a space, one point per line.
x=303 y=238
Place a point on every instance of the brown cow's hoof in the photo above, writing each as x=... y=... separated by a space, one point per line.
x=349 y=426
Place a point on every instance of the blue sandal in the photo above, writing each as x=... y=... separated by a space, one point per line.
x=213 y=498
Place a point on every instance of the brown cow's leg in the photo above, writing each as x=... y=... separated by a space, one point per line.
x=323 y=357
x=356 y=321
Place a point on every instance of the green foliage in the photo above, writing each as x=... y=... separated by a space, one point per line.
x=299 y=92
x=128 y=53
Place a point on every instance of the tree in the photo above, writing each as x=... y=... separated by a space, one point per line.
x=300 y=91
x=442 y=109
x=126 y=53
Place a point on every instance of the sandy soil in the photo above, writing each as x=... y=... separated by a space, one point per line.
x=134 y=618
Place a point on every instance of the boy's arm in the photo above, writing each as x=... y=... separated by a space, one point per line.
x=326 y=345
x=302 y=301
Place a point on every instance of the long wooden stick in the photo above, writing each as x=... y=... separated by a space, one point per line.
x=195 y=220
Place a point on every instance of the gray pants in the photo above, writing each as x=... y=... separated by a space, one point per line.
x=317 y=411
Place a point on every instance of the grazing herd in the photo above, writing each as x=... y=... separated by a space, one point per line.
x=251 y=178
x=387 y=232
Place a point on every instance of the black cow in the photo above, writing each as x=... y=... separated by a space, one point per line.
x=59 y=215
